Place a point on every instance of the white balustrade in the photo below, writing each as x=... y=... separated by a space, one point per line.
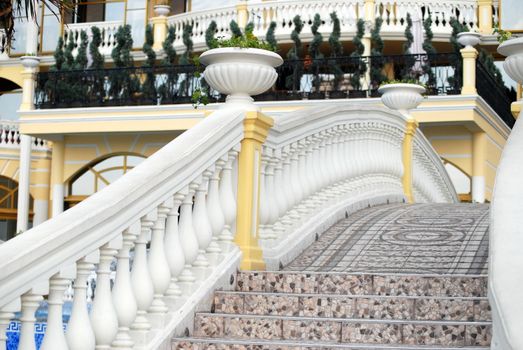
x=4 y=48
x=188 y=240
x=174 y=250
x=108 y=31
x=228 y=202
x=30 y=303
x=202 y=226
x=10 y=137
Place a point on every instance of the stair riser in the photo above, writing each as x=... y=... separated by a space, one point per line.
x=358 y=307
x=355 y=284
x=244 y=327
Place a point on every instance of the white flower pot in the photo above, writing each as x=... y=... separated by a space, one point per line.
x=30 y=61
x=469 y=38
x=162 y=10
x=401 y=97
x=240 y=73
x=513 y=65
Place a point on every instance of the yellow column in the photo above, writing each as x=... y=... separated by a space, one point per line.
x=161 y=10
x=410 y=131
x=469 y=55
x=243 y=14
x=57 y=178
x=479 y=153
x=515 y=107
x=256 y=127
x=28 y=89
x=485 y=16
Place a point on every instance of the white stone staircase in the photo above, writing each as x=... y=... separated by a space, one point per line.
x=285 y=310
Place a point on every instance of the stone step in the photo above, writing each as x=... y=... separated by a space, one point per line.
x=408 y=332
x=363 y=284
x=228 y=344
x=343 y=306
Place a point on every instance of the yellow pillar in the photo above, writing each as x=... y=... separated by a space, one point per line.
x=57 y=178
x=410 y=131
x=28 y=88
x=479 y=153
x=161 y=11
x=485 y=16
x=243 y=14
x=256 y=127
x=469 y=55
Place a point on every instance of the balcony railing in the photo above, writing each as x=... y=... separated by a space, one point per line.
x=108 y=30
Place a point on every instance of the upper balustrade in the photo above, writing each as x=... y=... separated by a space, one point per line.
x=10 y=137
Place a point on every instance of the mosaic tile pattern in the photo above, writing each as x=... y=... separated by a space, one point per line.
x=399 y=238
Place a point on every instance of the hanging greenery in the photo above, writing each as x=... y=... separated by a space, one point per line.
x=210 y=40
x=168 y=89
x=376 y=71
x=81 y=56
x=149 y=85
x=122 y=84
x=270 y=37
x=236 y=32
x=292 y=82
x=360 y=66
x=430 y=50
x=336 y=50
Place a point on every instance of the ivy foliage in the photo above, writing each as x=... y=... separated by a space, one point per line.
x=361 y=66
x=376 y=71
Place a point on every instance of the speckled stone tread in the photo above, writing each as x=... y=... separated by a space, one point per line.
x=228 y=344
x=367 y=331
x=363 y=284
x=343 y=306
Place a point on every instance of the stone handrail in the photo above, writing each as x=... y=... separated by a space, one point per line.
x=431 y=182
x=139 y=209
x=108 y=31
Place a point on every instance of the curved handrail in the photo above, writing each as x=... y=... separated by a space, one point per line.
x=41 y=252
x=506 y=240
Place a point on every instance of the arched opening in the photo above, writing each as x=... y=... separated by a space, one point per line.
x=8 y=207
x=98 y=174
x=460 y=180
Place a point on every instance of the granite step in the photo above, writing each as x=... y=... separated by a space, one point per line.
x=228 y=344
x=363 y=284
x=336 y=330
x=353 y=306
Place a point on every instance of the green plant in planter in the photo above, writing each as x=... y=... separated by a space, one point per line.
x=97 y=86
x=168 y=89
x=149 y=85
x=81 y=56
x=430 y=50
x=361 y=66
x=502 y=35
x=376 y=71
x=315 y=53
x=123 y=85
x=59 y=57
x=336 y=50
x=209 y=35
x=292 y=81
x=53 y=88
x=235 y=29
x=68 y=53
x=455 y=61
x=270 y=37
x=402 y=81
x=407 y=46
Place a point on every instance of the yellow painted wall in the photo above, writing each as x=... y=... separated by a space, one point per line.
x=13 y=73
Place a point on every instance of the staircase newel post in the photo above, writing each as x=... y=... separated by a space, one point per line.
x=256 y=128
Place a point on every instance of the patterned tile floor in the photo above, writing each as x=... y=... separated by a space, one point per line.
x=399 y=238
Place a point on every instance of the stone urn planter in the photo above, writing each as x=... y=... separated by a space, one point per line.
x=162 y=10
x=240 y=73
x=30 y=61
x=469 y=39
x=513 y=65
x=402 y=97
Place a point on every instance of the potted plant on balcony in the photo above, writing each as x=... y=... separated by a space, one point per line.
x=240 y=67
x=402 y=95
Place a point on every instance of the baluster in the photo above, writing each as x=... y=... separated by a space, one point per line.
x=141 y=281
x=270 y=198
x=215 y=213
x=304 y=176
x=103 y=314
x=30 y=303
x=278 y=192
x=202 y=227
x=228 y=203
x=7 y=313
x=295 y=183
x=123 y=296
x=54 y=338
x=174 y=250
x=188 y=241
x=264 y=203
x=80 y=334
x=158 y=265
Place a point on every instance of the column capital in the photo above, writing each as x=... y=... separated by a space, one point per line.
x=256 y=126
x=469 y=52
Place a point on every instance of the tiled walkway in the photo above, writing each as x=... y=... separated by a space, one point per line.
x=419 y=238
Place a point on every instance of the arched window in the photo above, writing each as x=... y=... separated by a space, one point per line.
x=95 y=176
x=8 y=207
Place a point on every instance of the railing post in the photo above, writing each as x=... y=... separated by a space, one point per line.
x=243 y=13
x=161 y=11
x=469 y=54
x=410 y=131
x=485 y=16
x=479 y=149
x=256 y=129
x=57 y=172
